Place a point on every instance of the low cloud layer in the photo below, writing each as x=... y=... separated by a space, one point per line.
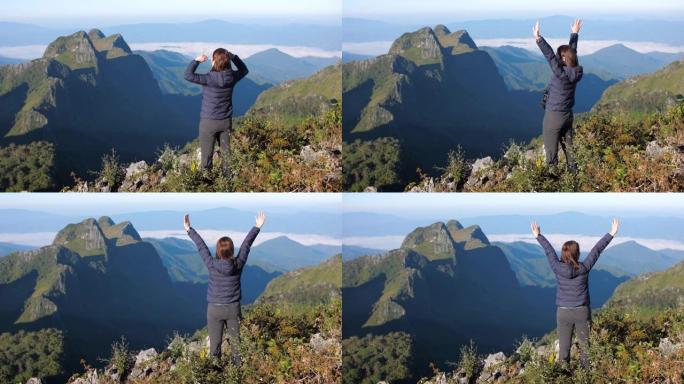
x=585 y=47
x=192 y=49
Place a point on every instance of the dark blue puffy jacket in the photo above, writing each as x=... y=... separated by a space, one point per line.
x=573 y=283
x=564 y=79
x=217 y=88
x=224 y=275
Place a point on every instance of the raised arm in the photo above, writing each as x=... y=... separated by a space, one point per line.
x=574 y=33
x=199 y=243
x=551 y=255
x=595 y=252
x=242 y=70
x=249 y=239
x=190 y=74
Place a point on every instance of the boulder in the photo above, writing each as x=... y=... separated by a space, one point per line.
x=145 y=356
x=667 y=347
x=136 y=168
x=481 y=173
x=34 y=380
x=494 y=359
x=309 y=155
x=483 y=163
x=319 y=343
x=370 y=188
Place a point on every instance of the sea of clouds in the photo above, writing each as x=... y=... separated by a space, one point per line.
x=585 y=47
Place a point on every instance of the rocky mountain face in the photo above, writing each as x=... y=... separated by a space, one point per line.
x=435 y=90
x=97 y=281
x=88 y=94
x=445 y=285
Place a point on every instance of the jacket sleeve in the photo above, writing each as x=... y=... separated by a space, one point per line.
x=246 y=247
x=193 y=77
x=242 y=70
x=201 y=247
x=596 y=251
x=556 y=266
x=573 y=41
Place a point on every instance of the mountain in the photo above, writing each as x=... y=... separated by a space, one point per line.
x=294 y=100
x=524 y=70
x=531 y=269
x=350 y=56
x=350 y=252
x=287 y=254
x=445 y=285
x=427 y=91
x=635 y=259
x=87 y=88
x=644 y=94
x=96 y=282
x=621 y=62
x=305 y=287
x=651 y=293
x=276 y=66
x=8 y=60
x=168 y=69
x=7 y=248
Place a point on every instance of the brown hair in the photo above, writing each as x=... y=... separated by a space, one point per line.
x=570 y=55
x=224 y=248
x=570 y=253
x=220 y=60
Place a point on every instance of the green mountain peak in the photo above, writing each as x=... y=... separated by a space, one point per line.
x=85 y=238
x=433 y=242
x=75 y=51
x=422 y=47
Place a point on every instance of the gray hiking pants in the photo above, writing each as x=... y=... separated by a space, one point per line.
x=579 y=319
x=220 y=316
x=558 y=130
x=211 y=131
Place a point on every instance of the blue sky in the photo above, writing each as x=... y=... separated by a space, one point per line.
x=126 y=11
x=96 y=204
x=486 y=204
x=418 y=11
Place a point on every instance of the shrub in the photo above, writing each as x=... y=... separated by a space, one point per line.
x=371 y=163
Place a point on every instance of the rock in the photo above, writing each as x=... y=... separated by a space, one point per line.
x=90 y=377
x=135 y=168
x=319 y=343
x=655 y=151
x=483 y=163
x=34 y=380
x=370 y=188
x=667 y=347
x=309 y=155
x=494 y=359
x=145 y=356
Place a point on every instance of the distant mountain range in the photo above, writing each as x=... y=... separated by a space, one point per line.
x=275 y=66
x=310 y=35
x=7 y=248
x=428 y=92
x=642 y=30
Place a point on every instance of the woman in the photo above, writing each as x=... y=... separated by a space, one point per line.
x=223 y=293
x=217 y=102
x=559 y=96
x=572 y=290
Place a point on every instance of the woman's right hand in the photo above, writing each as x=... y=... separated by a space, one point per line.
x=536 y=230
x=536 y=31
x=260 y=219
x=614 y=227
x=186 y=222
x=576 y=26
x=201 y=58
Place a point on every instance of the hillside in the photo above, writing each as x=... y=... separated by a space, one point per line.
x=445 y=285
x=296 y=149
x=650 y=293
x=294 y=100
x=7 y=248
x=287 y=254
x=97 y=281
x=278 y=345
x=87 y=87
x=307 y=286
x=427 y=92
x=644 y=94
x=275 y=66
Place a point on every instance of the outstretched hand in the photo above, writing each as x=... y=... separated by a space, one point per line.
x=260 y=219
x=201 y=58
x=536 y=230
x=186 y=222
x=576 y=26
x=536 y=30
x=614 y=227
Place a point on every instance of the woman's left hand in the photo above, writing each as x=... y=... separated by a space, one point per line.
x=536 y=30
x=536 y=230
x=201 y=58
x=186 y=222
x=260 y=219
x=615 y=225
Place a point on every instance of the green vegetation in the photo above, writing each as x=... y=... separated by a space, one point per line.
x=373 y=358
x=470 y=361
x=264 y=156
x=27 y=167
x=303 y=288
x=112 y=172
x=371 y=163
x=30 y=354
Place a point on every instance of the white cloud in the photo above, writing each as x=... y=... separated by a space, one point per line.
x=377 y=242
x=36 y=239
x=587 y=242
x=585 y=47
x=29 y=52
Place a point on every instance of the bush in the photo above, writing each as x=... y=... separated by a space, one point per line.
x=30 y=354
x=373 y=358
x=470 y=362
x=371 y=163
x=27 y=167
x=112 y=172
